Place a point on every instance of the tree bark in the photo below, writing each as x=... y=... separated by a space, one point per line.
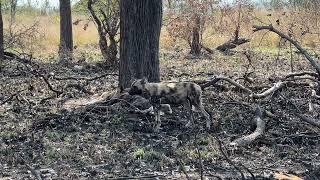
x=66 y=40
x=195 y=45
x=1 y=38
x=140 y=26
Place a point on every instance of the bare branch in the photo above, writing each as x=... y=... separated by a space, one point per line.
x=312 y=61
x=271 y=90
x=219 y=78
x=84 y=78
x=309 y=120
x=301 y=74
x=183 y=169
x=45 y=79
x=227 y=158
x=11 y=97
x=261 y=125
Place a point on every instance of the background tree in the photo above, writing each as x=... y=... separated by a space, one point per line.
x=66 y=40
x=106 y=16
x=140 y=26
x=44 y=8
x=13 y=10
x=187 y=21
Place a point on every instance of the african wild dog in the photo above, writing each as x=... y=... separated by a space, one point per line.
x=186 y=93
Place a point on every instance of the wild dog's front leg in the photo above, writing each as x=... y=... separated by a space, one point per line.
x=207 y=116
x=198 y=106
x=157 y=107
x=187 y=105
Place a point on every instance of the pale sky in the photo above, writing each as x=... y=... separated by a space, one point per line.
x=53 y=3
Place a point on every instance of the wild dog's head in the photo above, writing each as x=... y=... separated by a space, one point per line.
x=138 y=86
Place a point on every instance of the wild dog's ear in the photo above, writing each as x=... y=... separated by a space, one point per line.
x=144 y=80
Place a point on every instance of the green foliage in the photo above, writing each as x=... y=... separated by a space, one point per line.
x=139 y=153
x=80 y=7
x=116 y=119
x=153 y=155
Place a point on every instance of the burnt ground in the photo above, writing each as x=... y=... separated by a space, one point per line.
x=41 y=139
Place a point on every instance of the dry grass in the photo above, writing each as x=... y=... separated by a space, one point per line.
x=86 y=41
x=48 y=26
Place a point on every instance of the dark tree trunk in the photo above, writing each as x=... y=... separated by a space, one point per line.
x=1 y=38
x=195 y=45
x=66 y=42
x=140 y=25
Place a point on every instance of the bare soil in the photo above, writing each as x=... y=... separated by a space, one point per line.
x=43 y=137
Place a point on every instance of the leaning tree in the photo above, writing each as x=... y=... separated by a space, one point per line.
x=106 y=14
x=140 y=26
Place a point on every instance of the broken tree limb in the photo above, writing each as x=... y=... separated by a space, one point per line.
x=301 y=74
x=264 y=94
x=11 y=97
x=231 y=44
x=311 y=121
x=271 y=90
x=45 y=79
x=84 y=78
x=261 y=125
x=222 y=78
x=277 y=86
x=312 y=61
x=301 y=116
x=210 y=51
x=303 y=78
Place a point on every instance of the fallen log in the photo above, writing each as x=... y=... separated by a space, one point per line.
x=261 y=125
x=231 y=44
